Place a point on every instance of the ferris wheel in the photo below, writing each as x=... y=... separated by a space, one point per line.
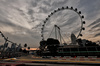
x=47 y=20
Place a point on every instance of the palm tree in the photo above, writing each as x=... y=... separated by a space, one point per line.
x=28 y=48
x=25 y=45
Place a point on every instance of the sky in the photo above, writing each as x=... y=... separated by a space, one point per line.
x=21 y=20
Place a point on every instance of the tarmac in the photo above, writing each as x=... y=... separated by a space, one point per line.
x=39 y=61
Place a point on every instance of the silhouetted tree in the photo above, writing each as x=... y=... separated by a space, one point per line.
x=24 y=51
x=28 y=48
x=25 y=45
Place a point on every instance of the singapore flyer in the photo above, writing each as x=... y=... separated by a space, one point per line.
x=63 y=21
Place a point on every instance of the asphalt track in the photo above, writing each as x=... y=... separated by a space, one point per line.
x=32 y=60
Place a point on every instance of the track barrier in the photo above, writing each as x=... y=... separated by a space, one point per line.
x=78 y=58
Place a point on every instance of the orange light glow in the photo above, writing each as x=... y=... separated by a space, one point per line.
x=31 y=48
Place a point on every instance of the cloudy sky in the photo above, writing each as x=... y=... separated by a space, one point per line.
x=21 y=20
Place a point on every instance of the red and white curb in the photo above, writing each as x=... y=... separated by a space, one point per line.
x=78 y=58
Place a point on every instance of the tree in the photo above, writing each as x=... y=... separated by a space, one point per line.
x=25 y=45
x=28 y=48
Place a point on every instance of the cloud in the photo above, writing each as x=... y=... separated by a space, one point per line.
x=70 y=21
x=90 y=8
x=95 y=22
x=98 y=30
x=34 y=3
x=94 y=26
x=97 y=25
x=97 y=35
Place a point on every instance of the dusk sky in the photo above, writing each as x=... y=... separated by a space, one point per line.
x=21 y=20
